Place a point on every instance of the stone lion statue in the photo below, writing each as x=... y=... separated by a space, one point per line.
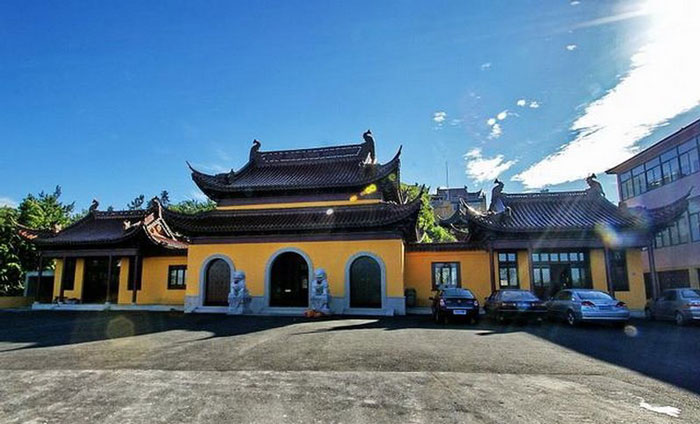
x=238 y=296
x=320 y=296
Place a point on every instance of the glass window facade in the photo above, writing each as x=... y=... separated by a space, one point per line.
x=669 y=166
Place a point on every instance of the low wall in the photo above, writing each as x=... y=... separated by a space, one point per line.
x=7 y=302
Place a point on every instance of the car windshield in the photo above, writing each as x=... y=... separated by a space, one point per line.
x=517 y=295
x=690 y=294
x=458 y=293
x=593 y=295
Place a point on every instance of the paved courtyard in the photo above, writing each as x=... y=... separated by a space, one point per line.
x=169 y=367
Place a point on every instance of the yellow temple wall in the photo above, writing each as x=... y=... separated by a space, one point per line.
x=474 y=272
x=333 y=256
x=328 y=203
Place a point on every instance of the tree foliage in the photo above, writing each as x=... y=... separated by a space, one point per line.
x=192 y=206
x=432 y=232
x=11 y=271
x=137 y=203
x=44 y=211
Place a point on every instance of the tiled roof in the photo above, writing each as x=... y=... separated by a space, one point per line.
x=338 y=167
x=109 y=228
x=564 y=211
x=384 y=216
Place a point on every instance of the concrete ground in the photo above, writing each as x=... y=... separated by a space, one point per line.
x=133 y=367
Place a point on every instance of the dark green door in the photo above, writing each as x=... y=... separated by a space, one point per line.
x=365 y=283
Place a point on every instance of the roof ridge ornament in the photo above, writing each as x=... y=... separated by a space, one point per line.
x=254 y=149
x=594 y=187
x=497 y=205
x=94 y=205
x=369 y=141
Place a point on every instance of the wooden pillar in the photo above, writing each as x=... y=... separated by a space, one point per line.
x=134 y=283
x=652 y=270
x=493 y=269
x=109 y=278
x=38 y=279
x=608 y=272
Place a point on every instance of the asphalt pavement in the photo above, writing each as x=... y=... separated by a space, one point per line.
x=138 y=367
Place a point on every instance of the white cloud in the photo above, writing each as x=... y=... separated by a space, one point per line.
x=6 y=201
x=455 y=122
x=486 y=66
x=534 y=104
x=521 y=102
x=496 y=131
x=503 y=115
x=491 y=121
x=661 y=84
x=571 y=47
x=439 y=117
x=575 y=3
x=480 y=168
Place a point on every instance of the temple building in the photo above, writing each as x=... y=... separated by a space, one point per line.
x=284 y=215
x=447 y=200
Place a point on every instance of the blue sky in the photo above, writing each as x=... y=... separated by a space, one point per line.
x=109 y=99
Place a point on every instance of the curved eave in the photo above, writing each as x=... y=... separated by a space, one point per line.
x=229 y=222
x=216 y=190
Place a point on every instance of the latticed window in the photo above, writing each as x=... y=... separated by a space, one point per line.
x=508 y=269
x=176 y=277
x=446 y=274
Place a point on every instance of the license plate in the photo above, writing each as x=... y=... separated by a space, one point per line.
x=459 y=312
x=523 y=305
x=605 y=308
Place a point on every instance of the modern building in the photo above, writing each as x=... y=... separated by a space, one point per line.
x=446 y=201
x=668 y=170
x=285 y=214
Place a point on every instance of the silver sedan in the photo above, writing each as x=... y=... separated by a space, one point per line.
x=581 y=305
x=680 y=305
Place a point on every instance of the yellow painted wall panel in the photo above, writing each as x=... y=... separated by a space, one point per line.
x=636 y=297
x=329 y=203
x=333 y=256
x=474 y=272
x=57 y=274
x=154 y=282
x=524 y=269
x=598 y=273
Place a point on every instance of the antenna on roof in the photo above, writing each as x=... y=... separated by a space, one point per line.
x=447 y=176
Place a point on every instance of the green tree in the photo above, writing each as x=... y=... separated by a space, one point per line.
x=44 y=211
x=11 y=243
x=432 y=232
x=192 y=206
x=165 y=198
x=137 y=203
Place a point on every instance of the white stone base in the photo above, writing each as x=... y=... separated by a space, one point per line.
x=103 y=307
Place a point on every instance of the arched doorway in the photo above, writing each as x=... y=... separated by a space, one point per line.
x=289 y=281
x=217 y=281
x=365 y=283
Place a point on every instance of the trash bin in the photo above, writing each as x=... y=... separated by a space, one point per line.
x=410 y=295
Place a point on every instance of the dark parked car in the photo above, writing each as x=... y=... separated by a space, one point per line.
x=577 y=305
x=680 y=305
x=455 y=303
x=505 y=305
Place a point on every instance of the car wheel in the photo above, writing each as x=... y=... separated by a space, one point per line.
x=500 y=318
x=571 y=318
x=648 y=314
x=475 y=320
x=680 y=319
